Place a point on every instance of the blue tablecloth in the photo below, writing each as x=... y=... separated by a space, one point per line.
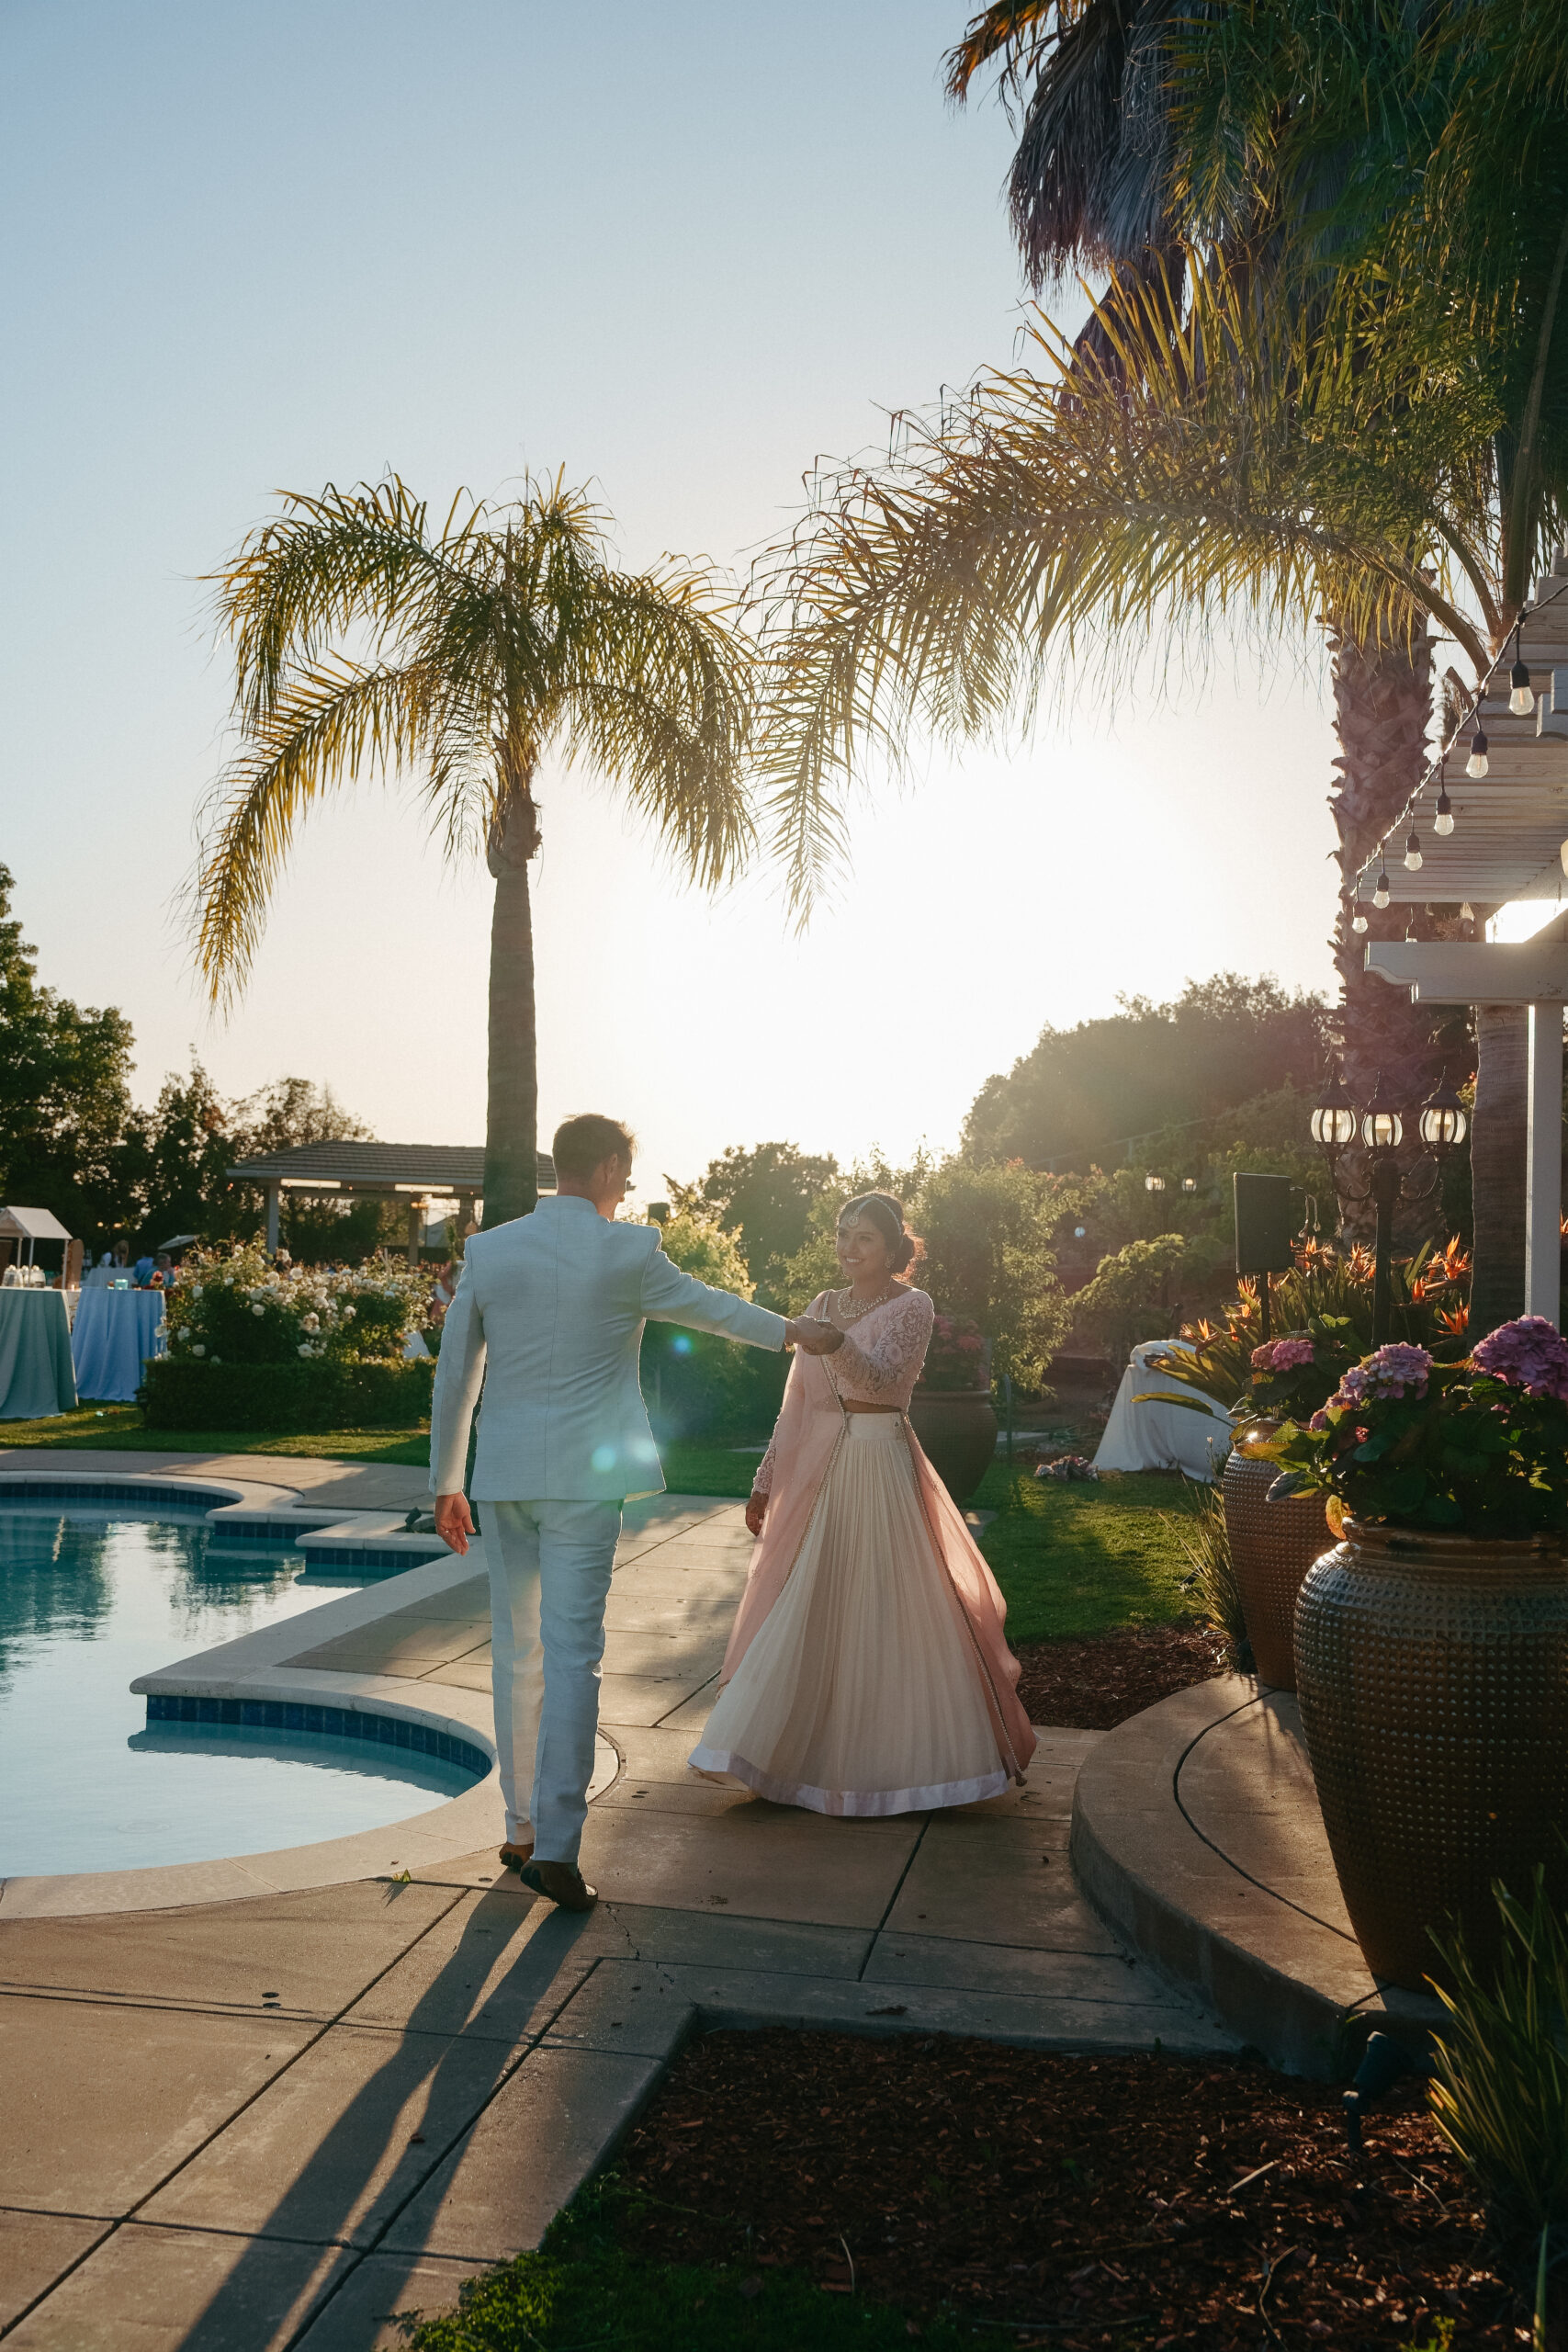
x=35 y=1354
x=115 y=1331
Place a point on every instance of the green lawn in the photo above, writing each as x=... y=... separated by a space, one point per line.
x=1083 y=1559
x=1070 y=1559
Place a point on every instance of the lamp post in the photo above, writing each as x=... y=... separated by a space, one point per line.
x=1336 y=1122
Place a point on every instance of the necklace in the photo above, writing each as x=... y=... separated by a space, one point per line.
x=850 y=1314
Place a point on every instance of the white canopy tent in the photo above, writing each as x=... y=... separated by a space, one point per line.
x=31 y=1225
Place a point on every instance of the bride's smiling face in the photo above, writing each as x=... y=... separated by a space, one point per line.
x=864 y=1255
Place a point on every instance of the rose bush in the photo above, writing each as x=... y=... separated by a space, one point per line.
x=235 y=1307
x=957 y=1356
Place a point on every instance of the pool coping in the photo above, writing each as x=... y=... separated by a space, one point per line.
x=253 y=1667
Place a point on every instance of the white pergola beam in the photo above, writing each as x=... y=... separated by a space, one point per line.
x=1443 y=971
x=1543 y=1169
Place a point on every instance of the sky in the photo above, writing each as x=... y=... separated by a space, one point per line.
x=678 y=251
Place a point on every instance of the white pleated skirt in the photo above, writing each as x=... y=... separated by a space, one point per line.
x=862 y=1692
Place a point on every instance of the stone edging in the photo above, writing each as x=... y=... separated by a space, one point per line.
x=1287 y=1985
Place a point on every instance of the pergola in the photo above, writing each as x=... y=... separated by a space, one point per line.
x=1508 y=841
x=413 y=1173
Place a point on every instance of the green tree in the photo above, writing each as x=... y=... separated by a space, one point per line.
x=63 y=1092
x=496 y=639
x=766 y=1195
x=1080 y=1096
x=989 y=1254
x=1131 y=1297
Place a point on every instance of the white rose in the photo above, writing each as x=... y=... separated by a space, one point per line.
x=311 y=1324
x=199 y=1350
x=183 y=1334
x=348 y=1314
x=305 y=1347
x=258 y=1310
x=217 y=1359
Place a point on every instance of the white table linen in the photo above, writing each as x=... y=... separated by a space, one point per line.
x=1163 y=1437
x=114 y=1334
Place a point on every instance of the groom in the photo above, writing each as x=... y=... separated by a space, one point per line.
x=549 y=1314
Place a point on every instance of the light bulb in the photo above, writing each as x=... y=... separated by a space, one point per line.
x=1412 y=857
x=1379 y=894
x=1477 y=764
x=1358 y=920
x=1521 y=701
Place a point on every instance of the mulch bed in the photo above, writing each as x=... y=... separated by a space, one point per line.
x=1147 y=2202
x=1096 y=1683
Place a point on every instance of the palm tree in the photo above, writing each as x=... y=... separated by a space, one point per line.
x=1114 y=173
x=365 y=641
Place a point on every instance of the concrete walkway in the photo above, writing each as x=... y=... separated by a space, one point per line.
x=240 y=2126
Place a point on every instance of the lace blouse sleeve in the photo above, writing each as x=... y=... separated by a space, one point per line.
x=762 y=1484
x=890 y=1361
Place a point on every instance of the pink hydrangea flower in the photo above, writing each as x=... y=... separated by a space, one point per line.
x=1530 y=1353
x=1319 y=1421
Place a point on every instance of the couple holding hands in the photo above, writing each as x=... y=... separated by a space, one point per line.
x=867 y=1671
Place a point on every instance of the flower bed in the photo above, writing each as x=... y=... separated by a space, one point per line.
x=252 y=1347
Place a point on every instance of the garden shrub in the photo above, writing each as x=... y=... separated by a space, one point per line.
x=695 y=1384
x=235 y=1307
x=318 y=1394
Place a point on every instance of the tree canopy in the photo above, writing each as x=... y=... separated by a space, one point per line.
x=1079 y=1095
x=64 y=1089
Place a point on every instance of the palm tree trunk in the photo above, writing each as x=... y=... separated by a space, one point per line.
x=1382 y=701
x=512 y=1114
x=1497 y=1164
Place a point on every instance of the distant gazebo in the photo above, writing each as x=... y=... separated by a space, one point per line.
x=413 y=1173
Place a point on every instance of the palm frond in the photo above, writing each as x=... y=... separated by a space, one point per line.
x=1223 y=470
x=332 y=720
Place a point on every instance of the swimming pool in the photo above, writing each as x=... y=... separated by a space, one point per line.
x=90 y=1598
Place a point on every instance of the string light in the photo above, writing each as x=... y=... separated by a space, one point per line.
x=1379 y=891
x=1521 y=701
x=1478 y=763
x=1358 y=920
x=1413 y=858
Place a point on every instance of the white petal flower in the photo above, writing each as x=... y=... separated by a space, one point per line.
x=258 y=1310
x=199 y=1350
x=305 y=1347
x=183 y=1334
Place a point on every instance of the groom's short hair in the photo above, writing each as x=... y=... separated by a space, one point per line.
x=584 y=1143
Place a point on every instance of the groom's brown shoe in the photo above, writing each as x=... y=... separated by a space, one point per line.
x=514 y=1857
x=563 y=1884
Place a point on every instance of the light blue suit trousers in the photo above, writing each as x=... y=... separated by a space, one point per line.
x=549 y=1578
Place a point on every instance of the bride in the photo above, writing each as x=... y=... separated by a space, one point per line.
x=867 y=1671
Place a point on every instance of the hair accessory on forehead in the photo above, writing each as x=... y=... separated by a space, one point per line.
x=883 y=1211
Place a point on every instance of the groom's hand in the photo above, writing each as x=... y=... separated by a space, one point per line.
x=818 y=1338
x=453 y=1521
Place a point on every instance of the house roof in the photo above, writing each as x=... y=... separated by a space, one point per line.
x=380 y=1168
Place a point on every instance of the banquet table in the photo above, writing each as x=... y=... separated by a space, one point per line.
x=35 y=1355
x=1163 y=1437
x=115 y=1333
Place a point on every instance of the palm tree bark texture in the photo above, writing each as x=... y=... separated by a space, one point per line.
x=1382 y=701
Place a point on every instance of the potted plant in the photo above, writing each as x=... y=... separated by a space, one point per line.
x=1432 y=1641
x=1274 y=1543
x=951 y=1411
x=1328 y=1301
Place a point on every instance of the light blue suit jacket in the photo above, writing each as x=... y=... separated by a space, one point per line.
x=548 y=1315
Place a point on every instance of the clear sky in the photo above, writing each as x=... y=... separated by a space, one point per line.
x=678 y=251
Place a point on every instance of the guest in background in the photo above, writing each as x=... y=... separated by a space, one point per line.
x=142 y=1270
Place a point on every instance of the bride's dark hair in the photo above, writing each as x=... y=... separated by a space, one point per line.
x=887 y=1214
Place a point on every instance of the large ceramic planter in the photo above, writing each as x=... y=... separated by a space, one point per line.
x=957 y=1427
x=1433 y=1673
x=1273 y=1547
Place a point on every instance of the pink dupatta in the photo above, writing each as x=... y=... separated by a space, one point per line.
x=810 y=1430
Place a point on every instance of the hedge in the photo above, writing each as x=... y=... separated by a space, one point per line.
x=319 y=1394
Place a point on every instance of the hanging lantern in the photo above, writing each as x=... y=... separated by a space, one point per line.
x=1442 y=1123
x=1382 y=1129
x=1333 y=1117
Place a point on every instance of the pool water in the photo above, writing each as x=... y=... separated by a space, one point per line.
x=89 y=1600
